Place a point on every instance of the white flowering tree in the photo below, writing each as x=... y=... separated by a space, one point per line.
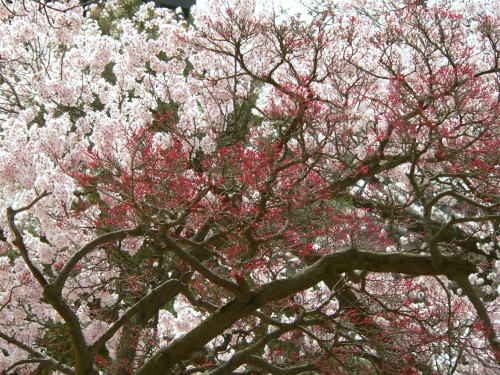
x=250 y=192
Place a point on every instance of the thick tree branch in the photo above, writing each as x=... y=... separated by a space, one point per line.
x=53 y=296
x=482 y=313
x=342 y=261
x=83 y=357
x=158 y=297
x=375 y=166
x=19 y=240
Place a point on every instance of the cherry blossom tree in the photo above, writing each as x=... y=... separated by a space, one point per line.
x=249 y=191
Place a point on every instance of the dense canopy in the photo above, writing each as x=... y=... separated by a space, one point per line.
x=249 y=191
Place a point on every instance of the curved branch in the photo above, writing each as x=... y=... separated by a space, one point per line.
x=241 y=356
x=454 y=194
x=449 y=234
x=198 y=266
x=19 y=240
x=89 y=247
x=39 y=357
x=452 y=222
x=26 y=361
